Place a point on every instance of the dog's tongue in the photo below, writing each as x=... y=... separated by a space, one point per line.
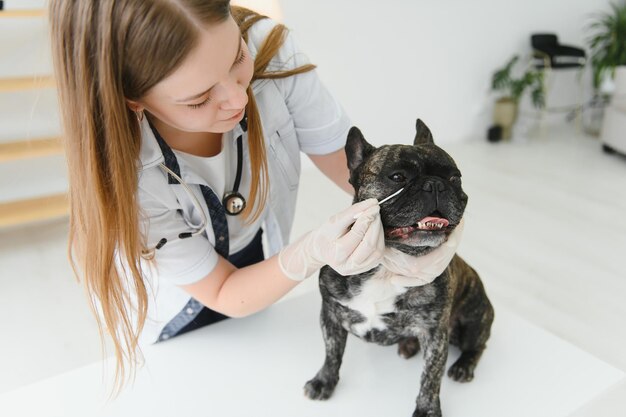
x=432 y=223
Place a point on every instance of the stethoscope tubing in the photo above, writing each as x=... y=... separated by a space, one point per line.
x=205 y=221
x=198 y=230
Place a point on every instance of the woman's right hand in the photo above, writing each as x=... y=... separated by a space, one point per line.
x=348 y=246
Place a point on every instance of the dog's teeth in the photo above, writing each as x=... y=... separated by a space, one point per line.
x=429 y=225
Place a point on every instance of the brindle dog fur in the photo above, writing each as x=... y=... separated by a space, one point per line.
x=454 y=308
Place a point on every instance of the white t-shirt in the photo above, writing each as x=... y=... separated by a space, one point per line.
x=219 y=171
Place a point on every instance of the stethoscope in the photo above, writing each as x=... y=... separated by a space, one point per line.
x=233 y=203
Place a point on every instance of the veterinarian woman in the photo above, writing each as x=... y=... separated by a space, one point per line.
x=183 y=124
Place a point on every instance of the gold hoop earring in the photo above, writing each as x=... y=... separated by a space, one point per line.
x=139 y=115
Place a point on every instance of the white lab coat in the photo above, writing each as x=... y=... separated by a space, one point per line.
x=298 y=115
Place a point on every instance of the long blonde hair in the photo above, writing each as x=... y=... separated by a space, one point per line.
x=105 y=52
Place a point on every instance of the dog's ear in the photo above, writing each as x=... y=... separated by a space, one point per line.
x=422 y=133
x=357 y=148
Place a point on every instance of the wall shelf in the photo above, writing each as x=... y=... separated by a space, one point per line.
x=17 y=213
x=33 y=148
x=26 y=83
x=12 y=13
x=23 y=211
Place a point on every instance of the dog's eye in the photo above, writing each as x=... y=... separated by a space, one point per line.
x=455 y=179
x=397 y=177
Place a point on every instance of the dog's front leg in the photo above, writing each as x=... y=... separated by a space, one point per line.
x=435 y=345
x=323 y=384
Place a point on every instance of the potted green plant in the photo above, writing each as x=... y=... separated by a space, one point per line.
x=608 y=58
x=512 y=89
x=608 y=43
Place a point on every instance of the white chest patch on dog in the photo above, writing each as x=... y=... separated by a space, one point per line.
x=377 y=297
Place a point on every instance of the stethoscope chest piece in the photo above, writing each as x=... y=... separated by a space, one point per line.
x=234 y=203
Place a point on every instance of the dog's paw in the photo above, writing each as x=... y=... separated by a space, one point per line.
x=407 y=348
x=430 y=412
x=319 y=389
x=461 y=371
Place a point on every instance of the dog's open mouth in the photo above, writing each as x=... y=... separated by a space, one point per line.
x=427 y=224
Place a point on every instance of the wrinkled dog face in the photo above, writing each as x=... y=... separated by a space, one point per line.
x=432 y=203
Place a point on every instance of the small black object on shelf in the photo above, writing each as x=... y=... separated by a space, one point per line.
x=494 y=134
x=608 y=149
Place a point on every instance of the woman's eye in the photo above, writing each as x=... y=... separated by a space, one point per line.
x=195 y=106
x=241 y=58
x=397 y=177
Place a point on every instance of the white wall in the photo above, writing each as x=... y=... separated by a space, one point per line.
x=397 y=60
x=388 y=62
x=394 y=60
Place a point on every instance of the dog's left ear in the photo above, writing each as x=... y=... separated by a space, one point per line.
x=357 y=148
x=422 y=133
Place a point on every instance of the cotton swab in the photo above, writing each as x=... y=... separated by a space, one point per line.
x=391 y=196
x=356 y=216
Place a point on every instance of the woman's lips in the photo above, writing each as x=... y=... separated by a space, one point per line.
x=236 y=116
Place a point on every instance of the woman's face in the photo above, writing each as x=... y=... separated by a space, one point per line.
x=207 y=93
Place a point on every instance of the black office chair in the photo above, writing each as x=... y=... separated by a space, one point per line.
x=549 y=54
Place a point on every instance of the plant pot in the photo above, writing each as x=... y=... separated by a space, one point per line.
x=505 y=115
x=614 y=123
x=618 y=99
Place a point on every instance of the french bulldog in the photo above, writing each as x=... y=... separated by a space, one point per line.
x=453 y=308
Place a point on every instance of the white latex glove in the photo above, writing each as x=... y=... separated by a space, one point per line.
x=421 y=270
x=348 y=250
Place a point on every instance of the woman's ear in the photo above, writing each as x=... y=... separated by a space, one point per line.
x=133 y=105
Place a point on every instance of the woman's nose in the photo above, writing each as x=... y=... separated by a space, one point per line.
x=235 y=97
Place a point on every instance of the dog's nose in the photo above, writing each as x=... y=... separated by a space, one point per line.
x=433 y=184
